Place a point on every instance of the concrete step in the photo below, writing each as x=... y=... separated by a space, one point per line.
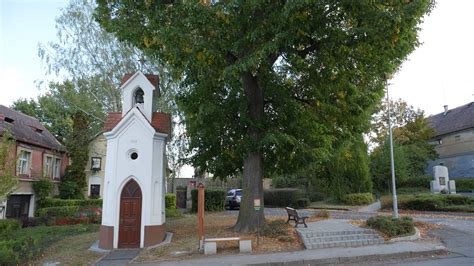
x=342 y=238
x=345 y=243
x=309 y=233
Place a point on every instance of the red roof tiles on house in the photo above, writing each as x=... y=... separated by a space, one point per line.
x=161 y=122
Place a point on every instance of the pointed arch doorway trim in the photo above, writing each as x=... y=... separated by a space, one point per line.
x=130 y=215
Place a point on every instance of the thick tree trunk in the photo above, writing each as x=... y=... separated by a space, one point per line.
x=249 y=219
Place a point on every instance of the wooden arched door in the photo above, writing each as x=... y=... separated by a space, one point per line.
x=130 y=215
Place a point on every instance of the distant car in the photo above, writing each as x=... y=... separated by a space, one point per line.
x=232 y=200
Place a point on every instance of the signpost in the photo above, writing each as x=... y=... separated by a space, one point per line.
x=257 y=208
x=201 y=215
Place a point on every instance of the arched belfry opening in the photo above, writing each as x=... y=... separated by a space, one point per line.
x=138 y=96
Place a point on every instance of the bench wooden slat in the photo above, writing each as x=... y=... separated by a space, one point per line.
x=221 y=239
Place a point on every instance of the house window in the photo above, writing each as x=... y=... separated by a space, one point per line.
x=95 y=191
x=48 y=166
x=57 y=168
x=18 y=206
x=457 y=138
x=24 y=163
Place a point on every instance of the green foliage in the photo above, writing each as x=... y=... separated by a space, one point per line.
x=65 y=215
x=42 y=188
x=8 y=226
x=275 y=228
x=8 y=179
x=392 y=227
x=411 y=154
x=358 y=198
x=347 y=171
x=170 y=201
x=73 y=183
x=214 y=200
x=285 y=197
x=316 y=196
x=24 y=245
x=281 y=87
x=172 y=213
x=464 y=184
x=431 y=202
x=51 y=202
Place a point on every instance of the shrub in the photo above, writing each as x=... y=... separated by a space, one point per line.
x=302 y=202
x=275 y=229
x=170 y=201
x=214 y=200
x=316 y=196
x=392 y=226
x=42 y=190
x=172 y=213
x=412 y=190
x=50 y=202
x=70 y=214
x=431 y=202
x=464 y=184
x=282 y=197
x=8 y=226
x=25 y=244
x=358 y=198
x=415 y=182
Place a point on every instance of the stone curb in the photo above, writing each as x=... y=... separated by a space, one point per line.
x=413 y=237
x=360 y=259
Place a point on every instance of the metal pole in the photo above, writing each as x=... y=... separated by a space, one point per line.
x=392 y=163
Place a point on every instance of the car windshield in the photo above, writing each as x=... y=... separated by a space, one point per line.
x=238 y=192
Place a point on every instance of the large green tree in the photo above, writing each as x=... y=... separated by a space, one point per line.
x=270 y=85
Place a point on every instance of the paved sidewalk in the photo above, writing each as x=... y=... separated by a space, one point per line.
x=319 y=256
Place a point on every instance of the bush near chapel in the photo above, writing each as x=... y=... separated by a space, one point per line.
x=285 y=197
x=214 y=200
x=464 y=184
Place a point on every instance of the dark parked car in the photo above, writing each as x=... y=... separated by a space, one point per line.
x=232 y=200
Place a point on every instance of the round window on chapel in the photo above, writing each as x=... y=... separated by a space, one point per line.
x=133 y=155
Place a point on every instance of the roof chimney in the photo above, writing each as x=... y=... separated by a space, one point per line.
x=445 y=109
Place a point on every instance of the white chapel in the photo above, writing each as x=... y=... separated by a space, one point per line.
x=133 y=211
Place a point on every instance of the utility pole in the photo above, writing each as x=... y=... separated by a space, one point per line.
x=392 y=163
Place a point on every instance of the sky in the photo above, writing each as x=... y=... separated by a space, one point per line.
x=438 y=73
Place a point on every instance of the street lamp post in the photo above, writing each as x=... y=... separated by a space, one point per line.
x=392 y=163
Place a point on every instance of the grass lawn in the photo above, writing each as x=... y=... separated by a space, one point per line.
x=73 y=250
x=185 y=239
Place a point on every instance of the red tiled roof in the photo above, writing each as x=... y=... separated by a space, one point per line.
x=161 y=122
x=154 y=79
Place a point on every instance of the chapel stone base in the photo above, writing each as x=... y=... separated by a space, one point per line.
x=154 y=234
x=106 y=237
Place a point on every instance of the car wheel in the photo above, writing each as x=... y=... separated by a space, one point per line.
x=230 y=206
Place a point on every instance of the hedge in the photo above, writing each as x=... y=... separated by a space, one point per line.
x=431 y=202
x=464 y=184
x=214 y=200
x=23 y=245
x=65 y=215
x=358 y=198
x=170 y=201
x=392 y=226
x=51 y=202
x=285 y=197
x=8 y=226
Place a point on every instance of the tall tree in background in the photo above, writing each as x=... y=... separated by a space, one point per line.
x=8 y=180
x=92 y=63
x=73 y=184
x=270 y=85
x=400 y=114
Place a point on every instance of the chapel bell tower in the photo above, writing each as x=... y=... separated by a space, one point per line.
x=133 y=211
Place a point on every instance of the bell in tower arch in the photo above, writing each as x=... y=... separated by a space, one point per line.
x=139 y=96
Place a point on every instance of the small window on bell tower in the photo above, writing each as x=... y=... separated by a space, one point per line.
x=138 y=97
